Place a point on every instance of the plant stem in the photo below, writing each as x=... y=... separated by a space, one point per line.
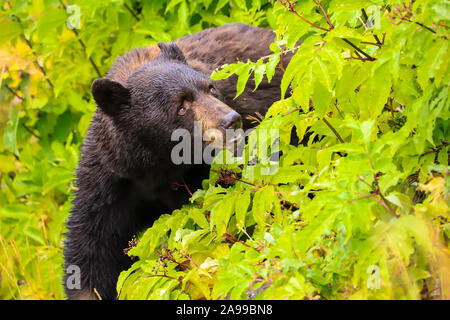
x=30 y=131
x=377 y=190
x=36 y=59
x=83 y=45
x=333 y=129
x=229 y=236
x=379 y=44
x=131 y=11
x=164 y=276
x=14 y=92
x=423 y=26
x=292 y=111
x=359 y=50
x=190 y=259
x=290 y=8
x=325 y=14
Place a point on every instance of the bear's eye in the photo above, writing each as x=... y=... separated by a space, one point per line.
x=212 y=90
x=183 y=107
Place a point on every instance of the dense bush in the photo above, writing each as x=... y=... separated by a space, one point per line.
x=361 y=211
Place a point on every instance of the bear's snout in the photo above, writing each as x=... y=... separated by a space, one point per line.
x=231 y=120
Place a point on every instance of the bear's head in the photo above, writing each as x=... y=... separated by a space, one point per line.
x=165 y=95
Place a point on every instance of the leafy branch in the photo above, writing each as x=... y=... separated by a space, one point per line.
x=14 y=92
x=30 y=46
x=326 y=16
x=376 y=191
x=405 y=13
x=75 y=32
x=367 y=57
x=333 y=129
x=290 y=6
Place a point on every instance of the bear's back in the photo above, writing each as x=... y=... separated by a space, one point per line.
x=230 y=43
x=204 y=51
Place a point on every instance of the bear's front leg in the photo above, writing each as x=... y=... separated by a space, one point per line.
x=99 y=229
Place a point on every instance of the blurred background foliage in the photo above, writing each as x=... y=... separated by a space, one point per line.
x=50 y=52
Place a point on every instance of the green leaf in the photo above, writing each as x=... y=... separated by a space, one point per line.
x=271 y=65
x=48 y=23
x=241 y=207
x=220 y=5
x=321 y=98
x=9 y=30
x=259 y=71
x=10 y=133
x=220 y=215
x=243 y=74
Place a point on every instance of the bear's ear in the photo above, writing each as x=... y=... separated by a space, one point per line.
x=171 y=51
x=110 y=95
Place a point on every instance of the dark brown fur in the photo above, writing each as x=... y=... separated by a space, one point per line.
x=125 y=173
x=209 y=49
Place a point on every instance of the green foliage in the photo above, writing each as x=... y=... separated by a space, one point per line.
x=360 y=212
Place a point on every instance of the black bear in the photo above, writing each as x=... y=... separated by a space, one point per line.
x=125 y=173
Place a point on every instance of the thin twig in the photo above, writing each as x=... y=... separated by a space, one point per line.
x=30 y=131
x=237 y=179
x=365 y=182
x=14 y=92
x=325 y=14
x=339 y=111
x=190 y=259
x=164 y=276
x=83 y=45
x=169 y=257
x=377 y=190
x=366 y=196
x=292 y=111
x=357 y=58
x=359 y=50
x=436 y=149
x=362 y=22
x=333 y=129
x=44 y=73
x=131 y=11
x=188 y=284
x=372 y=43
x=229 y=236
x=375 y=36
x=32 y=51
x=373 y=196
x=407 y=17
x=424 y=26
x=187 y=188
x=282 y=52
x=290 y=7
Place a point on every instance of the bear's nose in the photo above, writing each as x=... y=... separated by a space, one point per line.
x=231 y=120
